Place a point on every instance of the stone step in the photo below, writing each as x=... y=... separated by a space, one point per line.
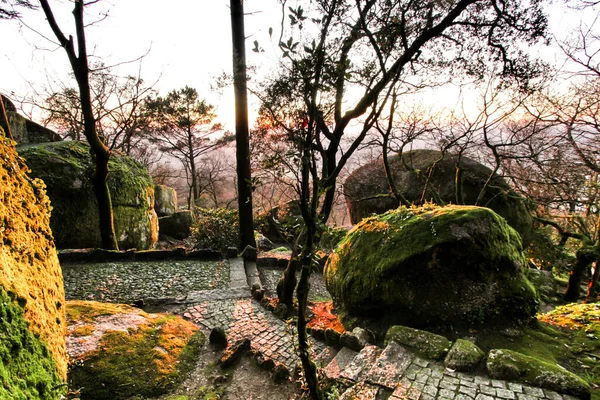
x=325 y=357
x=357 y=369
x=389 y=366
x=362 y=391
x=339 y=363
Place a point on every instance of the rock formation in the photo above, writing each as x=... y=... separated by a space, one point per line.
x=66 y=167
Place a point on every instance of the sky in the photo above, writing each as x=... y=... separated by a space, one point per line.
x=186 y=43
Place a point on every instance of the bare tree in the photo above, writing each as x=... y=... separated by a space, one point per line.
x=101 y=152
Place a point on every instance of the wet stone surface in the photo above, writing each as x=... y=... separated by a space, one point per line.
x=126 y=282
x=269 y=277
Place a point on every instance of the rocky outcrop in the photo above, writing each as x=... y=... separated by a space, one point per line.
x=66 y=168
x=26 y=131
x=121 y=352
x=32 y=314
x=432 y=266
x=177 y=225
x=165 y=200
x=514 y=366
x=367 y=190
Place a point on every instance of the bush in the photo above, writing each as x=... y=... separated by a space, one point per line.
x=216 y=229
x=546 y=254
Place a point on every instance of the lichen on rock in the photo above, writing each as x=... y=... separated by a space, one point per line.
x=30 y=273
x=432 y=266
x=128 y=352
x=426 y=344
x=66 y=168
x=463 y=356
x=510 y=365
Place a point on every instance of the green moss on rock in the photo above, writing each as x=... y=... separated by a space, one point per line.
x=27 y=368
x=426 y=344
x=66 y=168
x=463 y=356
x=430 y=266
x=139 y=354
x=510 y=365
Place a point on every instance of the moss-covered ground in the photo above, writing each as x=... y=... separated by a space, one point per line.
x=146 y=359
x=568 y=336
x=27 y=368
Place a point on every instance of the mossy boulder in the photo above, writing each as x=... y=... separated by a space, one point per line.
x=459 y=266
x=33 y=360
x=27 y=131
x=463 y=356
x=510 y=365
x=426 y=344
x=165 y=200
x=367 y=190
x=119 y=352
x=66 y=168
x=178 y=225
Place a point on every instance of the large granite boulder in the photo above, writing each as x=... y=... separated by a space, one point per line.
x=66 y=168
x=459 y=266
x=165 y=200
x=32 y=313
x=27 y=131
x=366 y=187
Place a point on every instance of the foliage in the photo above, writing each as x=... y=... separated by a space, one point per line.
x=181 y=126
x=27 y=367
x=331 y=237
x=545 y=254
x=216 y=229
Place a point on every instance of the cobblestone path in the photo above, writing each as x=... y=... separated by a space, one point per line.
x=395 y=373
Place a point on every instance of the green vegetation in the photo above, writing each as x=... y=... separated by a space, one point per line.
x=427 y=344
x=568 y=336
x=463 y=356
x=146 y=360
x=27 y=367
x=399 y=263
x=66 y=168
x=216 y=229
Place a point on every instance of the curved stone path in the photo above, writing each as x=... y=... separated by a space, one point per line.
x=373 y=373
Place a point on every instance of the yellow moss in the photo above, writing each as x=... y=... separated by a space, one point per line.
x=84 y=330
x=29 y=265
x=88 y=311
x=575 y=316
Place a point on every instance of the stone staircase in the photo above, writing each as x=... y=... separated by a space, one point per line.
x=395 y=373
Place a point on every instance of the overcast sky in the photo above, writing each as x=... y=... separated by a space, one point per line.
x=188 y=43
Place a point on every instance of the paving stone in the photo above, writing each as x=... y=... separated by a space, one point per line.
x=515 y=387
x=462 y=396
x=533 y=391
x=522 y=396
x=390 y=365
x=482 y=381
x=499 y=384
x=488 y=390
x=448 y=386
x=360 y=365
x=421 y=362
x=339 y=363
x=505 y=394
x=451 y=380
x=471 y=392
x=446 y=393
x=430 y=390
x=552 y=395
x=482 y=396
x=361 y=391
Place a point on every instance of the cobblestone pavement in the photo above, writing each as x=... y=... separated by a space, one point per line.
x=395 y=373
x=246 y=318
x=130 y=281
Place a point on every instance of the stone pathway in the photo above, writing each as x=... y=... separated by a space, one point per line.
x=373 y=373
x=395 y=373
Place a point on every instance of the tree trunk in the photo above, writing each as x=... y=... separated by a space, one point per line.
x=79 y=64
x=460 y=195
x=594 y=284
x=242 y=136
x=585 y=256
x=4 y=124
x=310 y=368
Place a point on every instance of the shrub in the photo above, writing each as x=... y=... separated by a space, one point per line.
x=216 y=229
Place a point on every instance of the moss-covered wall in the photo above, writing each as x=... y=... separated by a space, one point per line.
x=30 y=271
x=66 y=168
